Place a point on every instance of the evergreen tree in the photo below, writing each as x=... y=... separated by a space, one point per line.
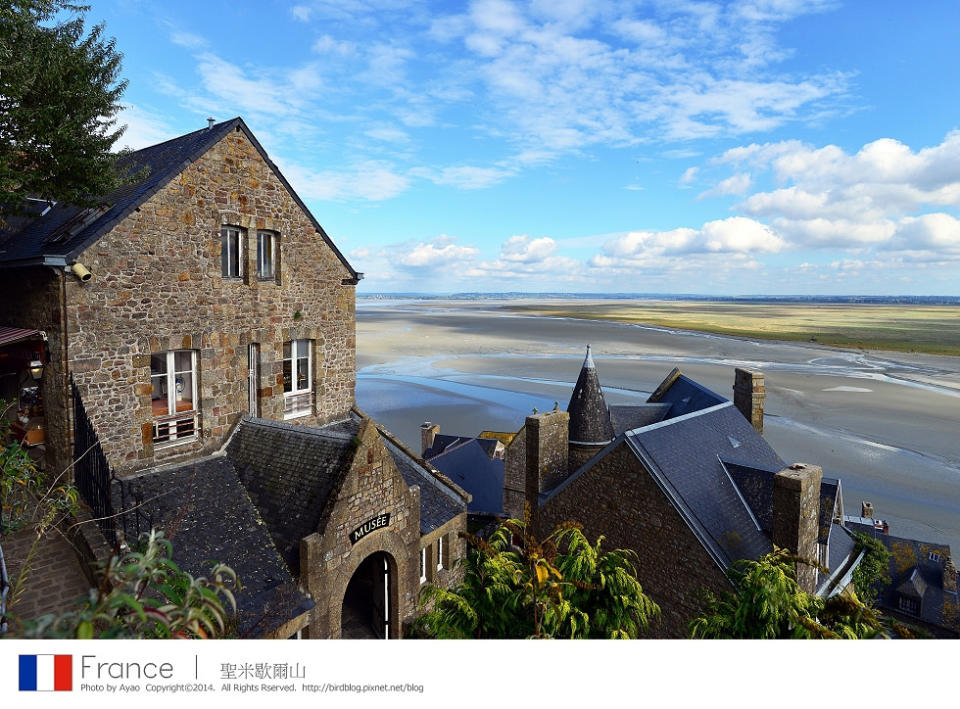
x=558 y=587
x=59 y=93
x=767 y=602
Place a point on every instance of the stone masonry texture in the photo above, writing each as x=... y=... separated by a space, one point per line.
x=629 y=509
x=749 y=392
x=158 y=286
x=796 y=511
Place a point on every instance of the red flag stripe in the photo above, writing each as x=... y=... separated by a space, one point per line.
x=63 y=673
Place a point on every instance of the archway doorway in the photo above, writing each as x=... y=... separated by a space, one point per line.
x=366 y=612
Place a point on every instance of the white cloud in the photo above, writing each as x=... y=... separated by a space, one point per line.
x=442 y=251
x=737 y=184
x=301 y=13
x=328 y=45
x=143 y=128
x=734 y=236
x=877 y=197
x=688 y=176
x=465 y=177
x=523 y=249
x=188 y=39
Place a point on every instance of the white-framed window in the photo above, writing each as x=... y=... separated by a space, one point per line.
x=266 y=255
x=934 y=556
x=173 y=397
x=231 y=252
x=423 y=565
x=439 y=553
x=297 y=378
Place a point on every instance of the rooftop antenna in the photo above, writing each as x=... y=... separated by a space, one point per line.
x=210 y=122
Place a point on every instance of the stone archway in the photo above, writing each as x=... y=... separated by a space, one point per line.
x=369 y=604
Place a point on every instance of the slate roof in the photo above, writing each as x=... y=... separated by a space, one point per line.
x=439 y=502
x=685 y=396
x=914 y=573
x=206 y=512
x=290 y=472
x=684 y=455
x=842 y=544
x=589 y=416
x=470 y=467
x=65 y=230
x=756 y=485
x=627 y=418
x=443 y=442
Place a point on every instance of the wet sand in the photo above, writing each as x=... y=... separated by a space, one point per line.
x=885 y=423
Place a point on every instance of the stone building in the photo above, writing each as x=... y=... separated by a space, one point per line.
x=685 y=480
x=198 y=325
x=924 y=588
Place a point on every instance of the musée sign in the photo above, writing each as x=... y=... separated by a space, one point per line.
x=371 y=525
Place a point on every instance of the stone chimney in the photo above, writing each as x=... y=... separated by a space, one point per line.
x=866 y=509
x=546 y=455
x=748 y=395
x=427 y=433
x=796 y=514
x=950 y=577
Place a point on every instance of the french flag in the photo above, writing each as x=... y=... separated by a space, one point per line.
x=46 y=673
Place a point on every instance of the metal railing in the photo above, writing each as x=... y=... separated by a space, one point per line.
x=296 y=404
x=175 y=427
x=99 y=486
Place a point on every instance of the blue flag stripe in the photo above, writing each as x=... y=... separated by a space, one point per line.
x=28 y=673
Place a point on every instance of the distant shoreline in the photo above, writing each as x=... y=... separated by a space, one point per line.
x=920 y=328
x=903 y=299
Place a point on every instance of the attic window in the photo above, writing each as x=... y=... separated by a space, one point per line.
x=909 y=605
x=934 y=556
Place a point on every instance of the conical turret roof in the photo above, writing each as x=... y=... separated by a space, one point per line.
x=589 y=416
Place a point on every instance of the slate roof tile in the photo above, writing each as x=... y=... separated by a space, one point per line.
x=206 y=513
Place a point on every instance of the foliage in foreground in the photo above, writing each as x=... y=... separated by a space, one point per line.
x=560 y=587
x=767 y=603
x=873 y=571
x=143 y=594
x=59 y=97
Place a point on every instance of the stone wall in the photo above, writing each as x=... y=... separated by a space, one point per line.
x=628 y=508
x=328 y=559
x=30 y=298
x=515 y=475
x=157 y=286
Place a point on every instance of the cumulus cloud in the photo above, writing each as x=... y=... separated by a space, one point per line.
x=737 y=236
x=442 y=251
x=878 y=197
x=523 y=249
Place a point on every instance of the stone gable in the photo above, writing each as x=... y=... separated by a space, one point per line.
x=627 y=507
x=158 y=286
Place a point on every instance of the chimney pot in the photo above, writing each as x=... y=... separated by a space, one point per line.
x=210 y=122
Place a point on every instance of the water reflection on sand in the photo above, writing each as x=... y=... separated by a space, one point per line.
x=885 y=423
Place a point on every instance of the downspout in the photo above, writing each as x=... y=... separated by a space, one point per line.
x=66 y=390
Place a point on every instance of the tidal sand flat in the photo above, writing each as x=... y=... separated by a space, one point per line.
x=931 y=329
x=884 y=422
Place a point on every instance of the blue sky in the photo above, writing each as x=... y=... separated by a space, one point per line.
x=755 y=147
